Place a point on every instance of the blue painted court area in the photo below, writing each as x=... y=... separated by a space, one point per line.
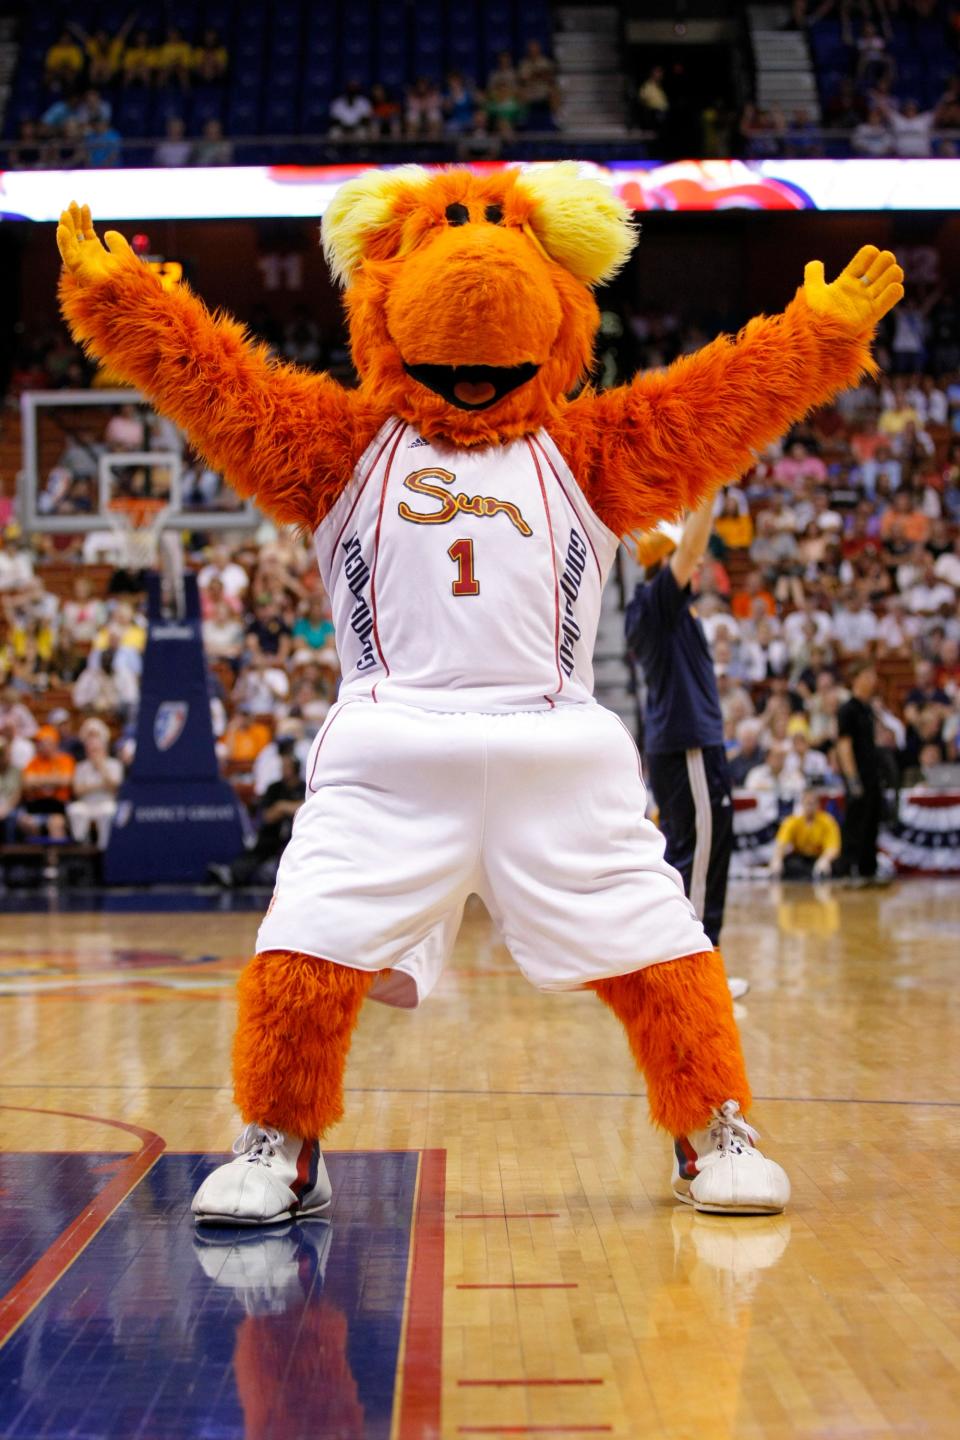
x=159 y=1331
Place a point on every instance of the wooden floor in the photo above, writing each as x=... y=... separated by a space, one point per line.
x=576 y=1297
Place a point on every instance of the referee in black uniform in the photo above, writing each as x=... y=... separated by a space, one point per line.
x=686 y=758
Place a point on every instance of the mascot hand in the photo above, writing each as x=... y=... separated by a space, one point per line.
x=80 y=248
x=862 y=294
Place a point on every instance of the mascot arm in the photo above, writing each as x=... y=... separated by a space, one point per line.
x=651 y=449
x=286 y=438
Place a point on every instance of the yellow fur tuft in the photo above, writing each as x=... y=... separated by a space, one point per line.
x=360 y=209
x=579 y=222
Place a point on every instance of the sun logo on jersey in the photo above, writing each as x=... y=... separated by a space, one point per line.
x=452 y=505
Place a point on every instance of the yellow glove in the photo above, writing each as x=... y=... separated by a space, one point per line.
x=80 y=249
x=862 y=294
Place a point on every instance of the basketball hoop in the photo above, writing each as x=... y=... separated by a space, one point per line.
x=139 y=511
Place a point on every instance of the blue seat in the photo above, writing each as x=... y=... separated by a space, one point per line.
x=243 y=118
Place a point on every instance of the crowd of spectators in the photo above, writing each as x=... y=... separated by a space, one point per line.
x=842 y=544
x=86 y=75
x=515 y=96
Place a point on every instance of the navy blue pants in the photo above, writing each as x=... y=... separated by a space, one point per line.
x=692 y=791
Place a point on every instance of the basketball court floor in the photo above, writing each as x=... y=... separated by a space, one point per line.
x=505 y=1257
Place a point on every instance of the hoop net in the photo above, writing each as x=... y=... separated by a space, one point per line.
x=138 y=521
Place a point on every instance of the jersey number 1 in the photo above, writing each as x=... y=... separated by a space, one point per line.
x=466 y=583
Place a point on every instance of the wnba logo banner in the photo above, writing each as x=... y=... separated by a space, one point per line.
x=168 y=723
x=175 y=814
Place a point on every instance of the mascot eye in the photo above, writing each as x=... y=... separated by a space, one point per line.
x=457 y=214
x=494 y=213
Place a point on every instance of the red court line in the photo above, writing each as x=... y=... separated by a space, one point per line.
x=510 y=1215
x=530 y=1382
x=26 y=1294
x=523 y=1285
x=420 y=1376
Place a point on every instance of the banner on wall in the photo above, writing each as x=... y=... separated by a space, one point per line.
x=234 y=192
x=923 y=838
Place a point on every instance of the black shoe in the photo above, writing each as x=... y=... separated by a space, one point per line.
x=222 y=874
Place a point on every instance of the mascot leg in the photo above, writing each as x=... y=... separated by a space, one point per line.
x=296 y=1019
x=679 y=1021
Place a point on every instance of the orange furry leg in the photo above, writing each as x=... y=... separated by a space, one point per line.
x=296 y=1019
x=679 y=1020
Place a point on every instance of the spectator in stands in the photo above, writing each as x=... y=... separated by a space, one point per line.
x=212 y=148
x=29 y=153
x=755 y=589
x=351 y=113
x=63 y=65
x=102 y=146
x=244 y=738
x=313 y=630
x=807 y=843
x=775 y=776
x=268 y=638
x=281 y=802
x=947 y=565
x=504 y=103
x=748 y=752
x=223 y=634
x=799 y=464
x=873 y=62
x=925 y=694
x=772 y=549
x=96 y=781
x=854 y=625
x=537 y=75
x=140 y=60
x=47 y=781
x=11 y=789
x=872 y=136
x=653 y=104
x=459 y=104
x=104 y=688
x=810 y=765
x=424 y=110
x=125 y=429
x=174 y=60
x=929 y=594
x=912 y=130
x=734 y=527
x=81 y=619
x=386 y=117
x=210 y=59
x=175 y=150
x=232 y=576
x=16 y=561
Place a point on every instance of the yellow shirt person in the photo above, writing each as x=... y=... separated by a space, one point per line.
x=809 y=842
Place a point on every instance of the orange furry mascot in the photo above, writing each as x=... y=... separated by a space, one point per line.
x=472 y=321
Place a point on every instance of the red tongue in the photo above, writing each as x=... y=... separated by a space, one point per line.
x=474 y=392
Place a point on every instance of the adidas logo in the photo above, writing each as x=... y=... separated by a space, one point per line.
x=414 y=443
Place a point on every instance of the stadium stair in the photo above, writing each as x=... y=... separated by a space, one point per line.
x=785 y=76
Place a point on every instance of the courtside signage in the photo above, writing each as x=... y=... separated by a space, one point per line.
x=295 y=191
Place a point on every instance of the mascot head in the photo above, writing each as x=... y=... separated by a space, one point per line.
x=469 y=297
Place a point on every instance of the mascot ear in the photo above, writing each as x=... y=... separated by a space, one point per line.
x=365 y=218
x=579 y=222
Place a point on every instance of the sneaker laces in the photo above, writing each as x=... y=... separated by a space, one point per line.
x=258 y=1144
x=729 y=1133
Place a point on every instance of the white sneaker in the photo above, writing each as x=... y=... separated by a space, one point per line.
x=720 y=1170
x=274 y=1177
x=737 y=986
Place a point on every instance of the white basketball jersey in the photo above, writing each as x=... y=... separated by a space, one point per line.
x=464 y=579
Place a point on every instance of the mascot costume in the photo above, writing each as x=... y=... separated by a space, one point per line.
x=466 y=502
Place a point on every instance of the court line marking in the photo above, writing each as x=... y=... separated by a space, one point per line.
x=509 y=1215
x=547 y=1094
x=520 y=1285
x=419 y=1368
x=26 y=1294
x=534 y=1429
x=530 y=1382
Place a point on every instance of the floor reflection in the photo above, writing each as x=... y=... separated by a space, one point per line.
x=159 y=1330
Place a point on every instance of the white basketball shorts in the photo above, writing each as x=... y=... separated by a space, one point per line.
x=540 y=813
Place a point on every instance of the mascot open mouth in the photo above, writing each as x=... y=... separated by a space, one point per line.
x=472 y=387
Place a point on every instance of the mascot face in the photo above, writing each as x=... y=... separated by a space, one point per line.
x=469 y=300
